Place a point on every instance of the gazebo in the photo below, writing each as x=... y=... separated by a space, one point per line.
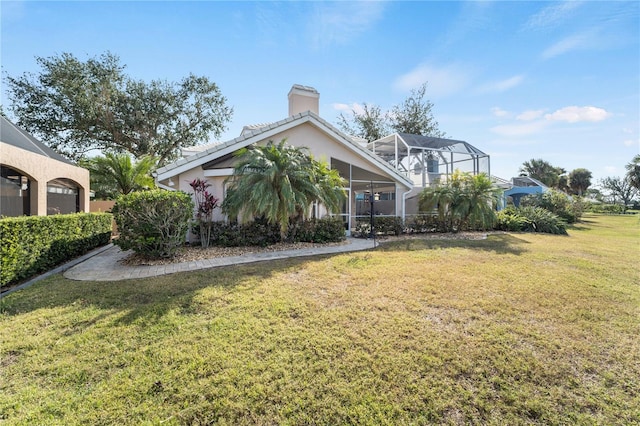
x=427 y=160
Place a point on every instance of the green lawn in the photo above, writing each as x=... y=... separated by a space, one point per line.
x=515 y=329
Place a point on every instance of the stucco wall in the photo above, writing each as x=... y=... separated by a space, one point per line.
x=40 y=170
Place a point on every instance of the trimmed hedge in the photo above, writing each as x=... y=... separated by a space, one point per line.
x=30 y=245
x=325 y=230
x=153 y=223
x=383 y=225
x=261 y=233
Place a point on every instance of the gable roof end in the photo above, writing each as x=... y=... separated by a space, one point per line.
x=256 y=135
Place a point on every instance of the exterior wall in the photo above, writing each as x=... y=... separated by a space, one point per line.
x=41 y=170
x=323 y=147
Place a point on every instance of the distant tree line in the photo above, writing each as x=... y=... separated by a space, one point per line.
x=621 y=190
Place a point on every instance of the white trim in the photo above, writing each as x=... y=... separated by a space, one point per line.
x=218 y=172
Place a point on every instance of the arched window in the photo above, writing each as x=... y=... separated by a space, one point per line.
x=63 y=196
x=14 y=193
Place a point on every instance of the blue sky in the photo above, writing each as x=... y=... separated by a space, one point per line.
x=519 y=80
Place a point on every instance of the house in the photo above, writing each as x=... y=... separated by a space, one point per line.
x=522 y=186
x=370 y=174
x=35 y=180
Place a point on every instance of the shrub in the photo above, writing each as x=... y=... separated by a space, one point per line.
x=206 y=203
x=606 y=208
x=423 y=223
x=33 y=244
x=325 y=230
x=383 y=225
x=542 y=220
x=258 y=232
x=558 y=203
x=510 y=220
x=153 y=223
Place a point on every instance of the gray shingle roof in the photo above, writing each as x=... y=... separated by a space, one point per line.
x=15 y=136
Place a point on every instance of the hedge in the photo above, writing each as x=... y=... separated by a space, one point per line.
x=261 y=233
x=30 y=245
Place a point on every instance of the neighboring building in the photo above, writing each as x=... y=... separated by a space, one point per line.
x=36 y=180
x=365 y=173
x=522 y=186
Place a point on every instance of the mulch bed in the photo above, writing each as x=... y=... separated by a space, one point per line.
x=194 y=253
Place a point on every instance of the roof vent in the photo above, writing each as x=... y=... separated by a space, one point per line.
x=302 y=99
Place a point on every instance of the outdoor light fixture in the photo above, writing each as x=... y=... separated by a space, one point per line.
x=171 y=182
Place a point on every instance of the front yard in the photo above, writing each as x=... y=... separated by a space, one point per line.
x=514 y=329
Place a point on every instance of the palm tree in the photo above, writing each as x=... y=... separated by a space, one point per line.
x=579 y=181
x=465 y=200
x=476 y=205
x=280 y=182
x=116 y=174
x=543 y=171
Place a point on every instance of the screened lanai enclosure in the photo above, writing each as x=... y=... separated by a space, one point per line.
x=427 y=160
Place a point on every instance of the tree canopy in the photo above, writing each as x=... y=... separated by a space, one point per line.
x=78 y=106
x=544 y=172
x=619 y=189
x=414 y=115
x=633 y=172
x=579 y=181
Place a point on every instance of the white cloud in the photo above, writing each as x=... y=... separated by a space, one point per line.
x=502 y=85
x=631 y=142
x=582 y=41
x=575 y=114
x=359 y=109
x=339 y=22
x=499 y=112
x=442 y=81
x=519 y=130
x=552 y=16
x=530 y=115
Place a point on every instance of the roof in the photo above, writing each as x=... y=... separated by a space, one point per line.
x=250 y=136
x=430 y=142
x=15 y=136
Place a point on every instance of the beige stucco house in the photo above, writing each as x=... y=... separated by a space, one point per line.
x=35 y=180
x=366 y=173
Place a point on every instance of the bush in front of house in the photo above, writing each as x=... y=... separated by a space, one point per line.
x=557 y=202
x=259 y=232
x=423 y=223
x=383 y=225
x=153 y=223
x=530 y=219
x=325 y=230
x=30 y=245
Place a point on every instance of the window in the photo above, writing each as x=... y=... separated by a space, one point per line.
x=63 y=197
x=15 y=197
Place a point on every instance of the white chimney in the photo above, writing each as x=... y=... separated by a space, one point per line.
x=303 y=98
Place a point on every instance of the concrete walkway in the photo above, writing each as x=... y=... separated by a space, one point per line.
x=105 y=265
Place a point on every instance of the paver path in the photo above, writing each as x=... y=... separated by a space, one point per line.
x=105 y=266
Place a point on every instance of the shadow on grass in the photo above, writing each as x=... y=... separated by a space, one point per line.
x=496 y=243
x=145 y=300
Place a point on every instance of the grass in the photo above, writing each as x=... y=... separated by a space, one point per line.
x=515 y=329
